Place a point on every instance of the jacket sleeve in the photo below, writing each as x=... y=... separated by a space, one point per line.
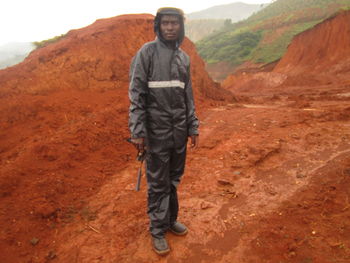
x=138 y=90
x=192 y=120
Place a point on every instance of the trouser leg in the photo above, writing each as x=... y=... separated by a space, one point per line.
x=177 y=167
x=164 y=171
x=158 y=193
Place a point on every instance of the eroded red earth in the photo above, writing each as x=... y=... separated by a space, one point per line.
x=269 y=182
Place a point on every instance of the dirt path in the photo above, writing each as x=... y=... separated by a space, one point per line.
x=255 y=165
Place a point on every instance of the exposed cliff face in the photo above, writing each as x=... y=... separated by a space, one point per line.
x=63 y=119
x=319 y=56
x=323 y=48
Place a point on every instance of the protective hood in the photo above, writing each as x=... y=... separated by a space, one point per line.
x=169 y=11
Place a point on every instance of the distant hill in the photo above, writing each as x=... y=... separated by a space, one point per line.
x=234 y=11
x=202 y=23
x=13 y=53
x=264 y=36
x=199 y=28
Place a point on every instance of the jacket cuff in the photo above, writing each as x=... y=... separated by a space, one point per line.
x=193 y=132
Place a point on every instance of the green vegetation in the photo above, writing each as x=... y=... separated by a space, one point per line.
x=265 y=36
x=40 y=44
x=236 y=47
x=273 y=51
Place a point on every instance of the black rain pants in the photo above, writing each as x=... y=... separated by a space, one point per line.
x=164 y=171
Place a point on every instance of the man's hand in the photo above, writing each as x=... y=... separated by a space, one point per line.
x=139 y=144
x=194 y=141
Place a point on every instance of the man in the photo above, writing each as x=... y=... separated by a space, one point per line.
x=161 y=118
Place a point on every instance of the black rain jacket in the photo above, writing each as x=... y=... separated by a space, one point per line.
x=162 y=108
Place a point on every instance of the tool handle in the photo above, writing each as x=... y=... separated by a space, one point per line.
x=138 y=182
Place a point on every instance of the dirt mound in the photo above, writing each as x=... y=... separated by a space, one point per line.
x=63 y=119
x=97 y=57
x=268 y=182
x=322 y=48
x=253 y=83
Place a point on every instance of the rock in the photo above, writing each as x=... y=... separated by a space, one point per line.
x=206 y=205
x=34 y=241
x=224 y=182
x=130 y=187
x=51 y=255
x=300 y=175
x=269 y=189
x=295 y=136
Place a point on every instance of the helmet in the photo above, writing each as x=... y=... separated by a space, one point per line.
x=169 y=11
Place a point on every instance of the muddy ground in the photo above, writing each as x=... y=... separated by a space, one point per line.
x=269 y=183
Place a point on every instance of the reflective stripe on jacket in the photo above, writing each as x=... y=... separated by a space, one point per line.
x=160 y=92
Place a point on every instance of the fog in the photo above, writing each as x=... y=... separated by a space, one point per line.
x=13 y=53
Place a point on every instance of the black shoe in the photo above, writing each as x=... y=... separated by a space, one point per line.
x=160 y=246
x=178 y=229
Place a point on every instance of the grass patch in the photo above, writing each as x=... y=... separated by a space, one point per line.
x=44 y=43
x=241 y=41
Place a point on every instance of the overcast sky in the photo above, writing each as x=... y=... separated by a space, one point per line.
x=35 y=20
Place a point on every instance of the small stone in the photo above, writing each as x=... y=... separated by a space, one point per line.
x=270 y=190
x=295 y=136
x=34 y=241
x=51 y=255
x=237 y=173
x=206 y=205
x=300 y=175
x=224 y=182
x=130 y=187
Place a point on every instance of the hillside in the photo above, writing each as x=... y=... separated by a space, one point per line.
x=316 y=64
x=325 y=49
x=264 y=37
x=202 y=23
x=269 y=181
x=200 y=28
x=234 y=11
x=63 y=119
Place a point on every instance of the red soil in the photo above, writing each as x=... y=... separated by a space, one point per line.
x=269 y=182
x=323 y=48
x=319 y=57
x=63 y=118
